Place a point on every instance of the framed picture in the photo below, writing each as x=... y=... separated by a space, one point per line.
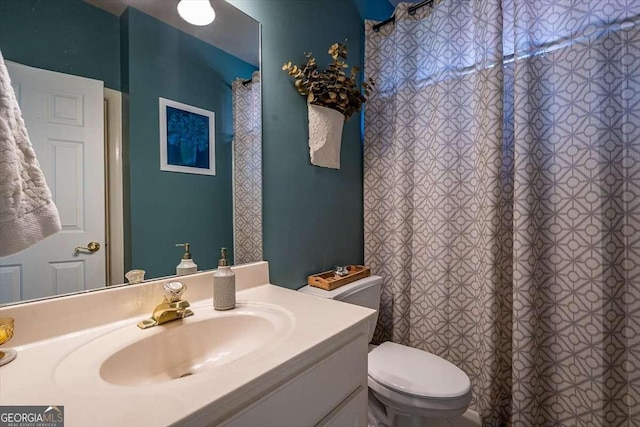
x=187 y=138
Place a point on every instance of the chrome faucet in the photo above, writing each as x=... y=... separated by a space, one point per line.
x=171 y=308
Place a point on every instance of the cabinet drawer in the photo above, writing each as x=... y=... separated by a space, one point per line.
x=309 y=397
x=352 y=412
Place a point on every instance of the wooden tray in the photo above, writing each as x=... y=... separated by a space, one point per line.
x=329 y=281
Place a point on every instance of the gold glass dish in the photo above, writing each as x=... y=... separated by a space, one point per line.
x=6 y=333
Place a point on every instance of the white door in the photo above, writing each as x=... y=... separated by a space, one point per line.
x=64 y=117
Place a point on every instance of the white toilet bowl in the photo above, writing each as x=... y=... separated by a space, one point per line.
x=415 y=384
x=406 y=385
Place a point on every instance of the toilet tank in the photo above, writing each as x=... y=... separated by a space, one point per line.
x=364 y=292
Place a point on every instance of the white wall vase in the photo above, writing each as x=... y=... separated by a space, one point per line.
x=325 y=136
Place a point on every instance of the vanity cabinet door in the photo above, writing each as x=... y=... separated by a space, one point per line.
x=312 y=396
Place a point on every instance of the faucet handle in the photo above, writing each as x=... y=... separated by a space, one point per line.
x=173 y=290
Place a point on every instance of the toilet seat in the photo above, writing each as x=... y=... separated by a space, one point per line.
x=416 y=382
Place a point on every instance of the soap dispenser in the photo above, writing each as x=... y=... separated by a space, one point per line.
x=186 y=266
x=224 y=284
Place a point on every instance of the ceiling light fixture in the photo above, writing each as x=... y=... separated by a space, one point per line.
x=196 y=12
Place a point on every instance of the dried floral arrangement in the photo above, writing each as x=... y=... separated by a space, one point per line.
x=331 y=88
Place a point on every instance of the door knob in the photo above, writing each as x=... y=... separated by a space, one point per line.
x=91 y=247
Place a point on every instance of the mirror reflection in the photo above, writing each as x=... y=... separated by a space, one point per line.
x=89 y=76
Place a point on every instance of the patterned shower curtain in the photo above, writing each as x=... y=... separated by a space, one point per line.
x=247 y=170
x=502 y=201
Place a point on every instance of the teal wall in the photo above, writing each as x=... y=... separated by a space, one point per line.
x=168 y=207
x=376 y=10
x=69 y=36
x=312 y=216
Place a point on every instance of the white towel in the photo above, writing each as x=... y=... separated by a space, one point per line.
x=27 y=212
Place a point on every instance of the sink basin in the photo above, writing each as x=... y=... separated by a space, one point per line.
x=183 y=350
x=176 y=350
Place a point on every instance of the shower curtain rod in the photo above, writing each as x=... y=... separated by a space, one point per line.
x=412 y=11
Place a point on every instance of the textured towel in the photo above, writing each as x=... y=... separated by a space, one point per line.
x=27 y=212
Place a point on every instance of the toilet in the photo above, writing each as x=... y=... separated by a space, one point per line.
x=407 y=386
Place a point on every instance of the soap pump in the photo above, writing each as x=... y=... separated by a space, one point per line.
x=224 y=284
x=186 y=266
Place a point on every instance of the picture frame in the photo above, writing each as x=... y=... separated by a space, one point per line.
x=187 y=138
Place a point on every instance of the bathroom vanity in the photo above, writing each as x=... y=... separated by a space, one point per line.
x=280 y=358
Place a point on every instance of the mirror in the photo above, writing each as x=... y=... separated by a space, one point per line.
x=89 y=76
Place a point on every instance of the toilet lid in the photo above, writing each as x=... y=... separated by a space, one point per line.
x=412 y=371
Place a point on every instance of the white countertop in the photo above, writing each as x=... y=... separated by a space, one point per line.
x=31 y=378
